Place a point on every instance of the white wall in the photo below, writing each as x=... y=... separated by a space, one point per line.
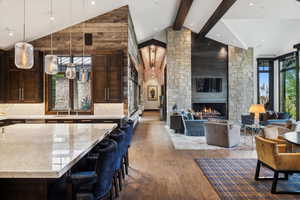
x=150 y=105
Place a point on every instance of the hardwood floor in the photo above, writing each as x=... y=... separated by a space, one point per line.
x=159 y=172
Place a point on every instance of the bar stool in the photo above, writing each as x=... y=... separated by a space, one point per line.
x=97 y=184
x=128 y=128
x=120 y=137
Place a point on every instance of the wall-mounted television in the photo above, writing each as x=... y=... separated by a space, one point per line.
x=209 y=85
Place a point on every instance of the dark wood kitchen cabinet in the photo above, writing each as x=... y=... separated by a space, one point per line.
x=23 y=86
x=107 y=77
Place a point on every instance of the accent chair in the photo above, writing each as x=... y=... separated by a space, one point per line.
x=272 y=156
x=222 y=134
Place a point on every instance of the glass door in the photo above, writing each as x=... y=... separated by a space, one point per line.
x=289 y=84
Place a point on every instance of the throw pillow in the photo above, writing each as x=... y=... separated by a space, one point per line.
x=270 y=132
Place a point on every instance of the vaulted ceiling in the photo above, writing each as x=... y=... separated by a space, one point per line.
x=270 y=26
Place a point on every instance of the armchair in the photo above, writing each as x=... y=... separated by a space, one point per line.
x=191 y=126
x=269 y=156
x=222 y=134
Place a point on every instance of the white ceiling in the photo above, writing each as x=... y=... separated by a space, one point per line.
x=270 y=26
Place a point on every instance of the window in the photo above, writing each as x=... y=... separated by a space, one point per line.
x=66 y=95
x=265 y=72
x=289 y=84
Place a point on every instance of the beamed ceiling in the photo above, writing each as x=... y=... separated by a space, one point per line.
x=272 y=27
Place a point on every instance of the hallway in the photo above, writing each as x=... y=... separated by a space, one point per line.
x=159 y=172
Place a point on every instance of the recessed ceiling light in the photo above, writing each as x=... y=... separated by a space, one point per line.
x=251 y=4
x=93 y=2
x=191 y=25
x=10 y=33
x=262 y=40
x=52 y=18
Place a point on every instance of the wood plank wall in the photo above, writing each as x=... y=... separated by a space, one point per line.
x=110 y=32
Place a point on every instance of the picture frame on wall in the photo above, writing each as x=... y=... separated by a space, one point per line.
x=152 y=92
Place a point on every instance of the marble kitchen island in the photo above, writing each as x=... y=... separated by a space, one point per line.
x=34 y=155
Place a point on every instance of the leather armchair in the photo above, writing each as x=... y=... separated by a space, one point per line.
x=268 y=155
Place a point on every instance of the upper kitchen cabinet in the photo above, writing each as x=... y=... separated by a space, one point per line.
x=108 y=73
x=23 y=86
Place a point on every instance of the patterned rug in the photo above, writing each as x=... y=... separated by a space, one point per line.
x=233 y=179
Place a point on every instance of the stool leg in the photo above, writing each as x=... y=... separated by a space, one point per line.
x=120 y=179
x=116 y=186
x=123 y=169
x=126 y=162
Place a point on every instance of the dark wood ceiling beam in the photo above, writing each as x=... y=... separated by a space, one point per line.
x=182 y=13
x=224 y=6
x=297 y=46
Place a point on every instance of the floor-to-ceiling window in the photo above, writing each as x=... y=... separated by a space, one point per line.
x=265 y=73
x=289 y=84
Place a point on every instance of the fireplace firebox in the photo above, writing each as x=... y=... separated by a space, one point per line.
x=211 y=110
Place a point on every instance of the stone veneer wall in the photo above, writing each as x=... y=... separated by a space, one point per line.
x=133 y=52
x=179 y=69
x=241 y=81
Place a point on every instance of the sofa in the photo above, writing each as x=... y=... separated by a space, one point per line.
x=222 y=134
x=268 y=118
x=192 y=127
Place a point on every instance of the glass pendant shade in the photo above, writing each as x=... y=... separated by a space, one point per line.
x=24 y=55
x=83 y=76
x=71 y=71
x=51 y=66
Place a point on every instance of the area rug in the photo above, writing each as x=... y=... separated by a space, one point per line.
x=233 y=179
x=182 y=142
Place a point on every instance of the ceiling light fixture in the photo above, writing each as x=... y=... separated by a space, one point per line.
x=83 y=73
x=51 y=66
x=71 y=67
x=93 y=3
x=251 y=4
x=23 y=50
x=10 y=33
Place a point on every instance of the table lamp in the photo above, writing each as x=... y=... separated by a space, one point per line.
x=257 y=109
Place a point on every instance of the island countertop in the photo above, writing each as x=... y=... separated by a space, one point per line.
x=33 y=117
x=46 y=150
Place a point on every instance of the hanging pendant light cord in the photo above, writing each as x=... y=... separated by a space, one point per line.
x=51 y=15
x=71 y=10
x=24 y=15
x=83 y=38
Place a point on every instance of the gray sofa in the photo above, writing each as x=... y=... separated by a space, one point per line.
x=222 y=134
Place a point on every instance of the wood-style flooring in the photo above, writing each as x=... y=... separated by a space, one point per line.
x=159 y=172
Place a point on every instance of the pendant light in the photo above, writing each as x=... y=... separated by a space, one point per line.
x=51 y=66
x=71 y=67
x=84 y=73
x=23 y=50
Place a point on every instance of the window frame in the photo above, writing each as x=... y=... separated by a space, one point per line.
x=48 y=98
x=270 y=71
x=282 y=87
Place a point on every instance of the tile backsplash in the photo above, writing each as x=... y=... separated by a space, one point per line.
x=23 y=109
x=39 y=109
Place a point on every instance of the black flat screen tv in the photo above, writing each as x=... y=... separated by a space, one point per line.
x=209 y=85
